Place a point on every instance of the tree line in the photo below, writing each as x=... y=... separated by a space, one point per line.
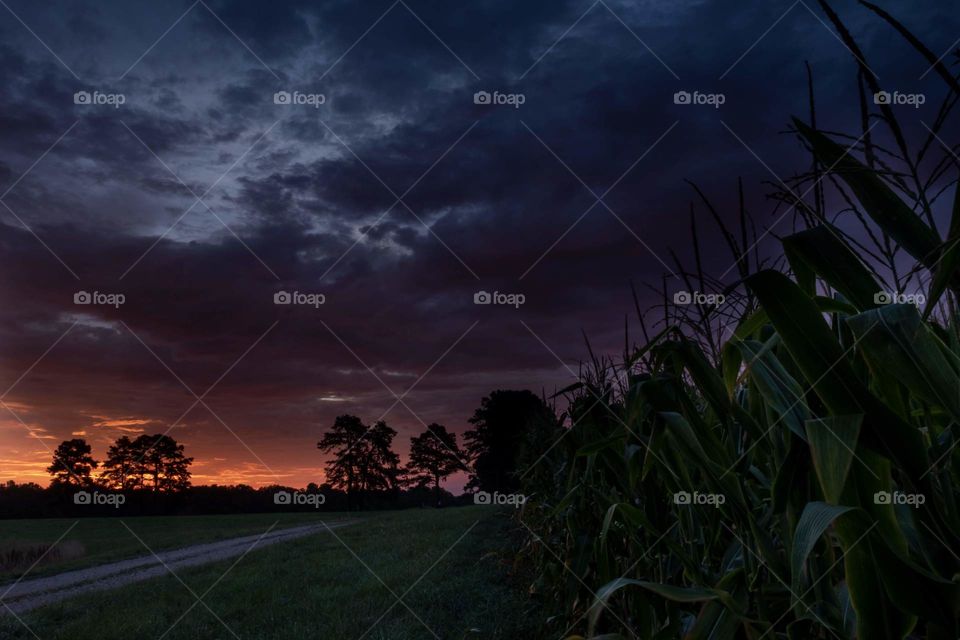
x=508 y=432
x=149 y=462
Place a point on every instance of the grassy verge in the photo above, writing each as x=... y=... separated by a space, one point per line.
x=107 y=539
x=446 y=565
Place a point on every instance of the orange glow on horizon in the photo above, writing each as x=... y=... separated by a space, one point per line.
x=27 y=450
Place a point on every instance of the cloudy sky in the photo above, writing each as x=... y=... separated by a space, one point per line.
x=194 y=160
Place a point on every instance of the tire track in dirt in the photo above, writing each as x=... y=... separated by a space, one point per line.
x=29 y=594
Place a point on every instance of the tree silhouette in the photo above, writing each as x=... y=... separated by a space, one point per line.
x=363 y=459
x=383 y=470
x=434 y=455
x=509 y=427
x=161 y=458
x=342 y=471
x=72 y=463
x=120 y=467
x=154 y=462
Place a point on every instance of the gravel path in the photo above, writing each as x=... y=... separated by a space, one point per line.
x=29 y=594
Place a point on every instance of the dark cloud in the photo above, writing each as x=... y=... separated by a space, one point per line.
x=305 y=199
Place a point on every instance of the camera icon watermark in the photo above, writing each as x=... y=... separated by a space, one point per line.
x=515 y=500
x=298 y=98
x=695 y=498
x=893 y=297
x=514 y=300
x=99 y=498
x=299 y=499
x=98 y=98
x=698 y=297
x=714 y=100
x=899 y=498
x=496 y=98
x=914 y=100
x=96 y=297
x=297 y=297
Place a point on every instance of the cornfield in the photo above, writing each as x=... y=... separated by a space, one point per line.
x=796 y=478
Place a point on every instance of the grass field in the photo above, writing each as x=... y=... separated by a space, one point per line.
x=447 y=566
x=107 y=539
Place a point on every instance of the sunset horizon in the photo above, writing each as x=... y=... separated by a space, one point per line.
x=480 y=320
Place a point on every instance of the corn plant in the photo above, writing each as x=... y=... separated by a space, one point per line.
x=796 y=479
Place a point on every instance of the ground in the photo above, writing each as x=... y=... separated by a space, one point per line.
x=109 y=539
x=449 y=568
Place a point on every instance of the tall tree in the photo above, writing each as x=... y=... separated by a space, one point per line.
x=155 y=462
x=161 y=459
x=434 y=455
x=72 y=463
x=362 y=460
x=120 y=467
x=383 y=472
x=510 y=428
x=342 y=440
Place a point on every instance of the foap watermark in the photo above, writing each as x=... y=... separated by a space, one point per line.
x=298 y=297
x=299 y=98
x=697 y=98
x=698 y=297
x=508 y=299
x=899 y=99
x=899 y=498
x=298 y=499
x=696 y=498
x=512 y=99
x=99 y=498
x=99 y=98
x=97 y=297
x=892 y=297
x=515 y=500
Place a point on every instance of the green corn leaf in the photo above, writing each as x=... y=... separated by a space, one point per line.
x=615 y=440
x=751 y=326
x=833 y=441
x=782 y=393
x=803 y=273
x=730 y=362
x=864 y=534
x=705 y=376
x=895 y=341
x=634 y=517
x=670 y=592
x=910 y=588
x=809 y=340
x=722 y=620
x=828 y=256
x=676 y=594
x=915 y=590
x=848 y=616
x=878 y=200
x=814 y=521
x=791 y=476
x=946 y=271
x=824 y=364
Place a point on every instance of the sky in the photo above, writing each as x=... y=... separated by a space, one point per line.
x=185 y=167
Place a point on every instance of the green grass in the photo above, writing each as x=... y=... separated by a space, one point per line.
x=107 y=539
x=447 y=565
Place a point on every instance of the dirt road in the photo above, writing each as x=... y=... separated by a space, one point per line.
x=32 y=593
